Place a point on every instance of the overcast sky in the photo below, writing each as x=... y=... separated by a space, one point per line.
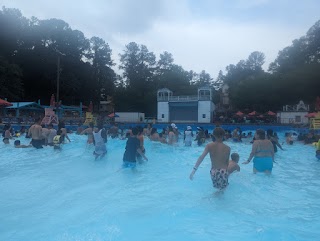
x=200 y=34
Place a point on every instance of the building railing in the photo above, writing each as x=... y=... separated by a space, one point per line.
x=182 y=98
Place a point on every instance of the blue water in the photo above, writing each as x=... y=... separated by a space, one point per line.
x=52 y=195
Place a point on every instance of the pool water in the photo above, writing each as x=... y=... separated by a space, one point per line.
x=67 y=195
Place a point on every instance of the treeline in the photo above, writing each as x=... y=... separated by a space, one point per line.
x=30 y=49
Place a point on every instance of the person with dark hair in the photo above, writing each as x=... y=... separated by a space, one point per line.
x=129 y=132
x=171 y=136
x=89 y=133
x=100 y=138
x=162 y=138
x=35 y=132
x=132 y=148
x=17 y=144
x=62 y=127
x=154 y=135
x=6 y=140
x=79 y=128
x=140 y=137
x=263 y=153
x=58 y=140
x=236 y=136
x=51 y=135
x=201 y=136
x=45 y=134
x=219 y=155
x=274 y=140
x=7 y=131
x=114 y=131
x=233 y=163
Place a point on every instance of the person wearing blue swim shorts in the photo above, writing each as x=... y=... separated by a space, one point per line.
x=262 y=153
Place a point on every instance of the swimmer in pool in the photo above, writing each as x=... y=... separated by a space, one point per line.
x=133 y=147
x=318 y=154
x=6 y=140
x=263 y=153
x=219 y=155
x=89 y=133
x=17 y=144
x=233 y=163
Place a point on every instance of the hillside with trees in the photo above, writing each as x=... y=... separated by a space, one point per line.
x=30 y=50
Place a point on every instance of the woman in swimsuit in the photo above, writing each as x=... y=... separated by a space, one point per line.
x=263 y=153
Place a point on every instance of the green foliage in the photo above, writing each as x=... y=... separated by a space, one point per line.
x=10 y=80
x=30 y=49
x=294 y=76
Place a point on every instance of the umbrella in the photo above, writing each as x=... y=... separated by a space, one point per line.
x=4 y=103
x=311 y=115
x=52 y=101
x=253 y=113
x=239 y=113
x=271 y=113
x=113 y=115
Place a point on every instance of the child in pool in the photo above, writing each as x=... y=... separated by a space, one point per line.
x=233 y=163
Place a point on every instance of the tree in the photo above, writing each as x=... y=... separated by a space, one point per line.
x=255 y=61
x=103 y=77
x=138 y=65
x=10 y=81
x=202 y=79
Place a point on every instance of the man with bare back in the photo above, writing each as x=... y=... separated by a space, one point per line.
x=35 y=132
x=219 y=155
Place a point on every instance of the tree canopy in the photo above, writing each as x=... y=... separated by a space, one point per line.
x=30 y=50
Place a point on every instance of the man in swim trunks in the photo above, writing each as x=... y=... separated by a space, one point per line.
x=219 y=155
x=35 y=132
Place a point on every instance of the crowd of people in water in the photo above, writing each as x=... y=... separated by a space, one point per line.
x=264 y=144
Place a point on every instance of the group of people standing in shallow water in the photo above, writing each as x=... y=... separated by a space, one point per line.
x=264 y=145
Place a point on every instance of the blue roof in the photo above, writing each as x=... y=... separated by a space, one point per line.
x=23 y=105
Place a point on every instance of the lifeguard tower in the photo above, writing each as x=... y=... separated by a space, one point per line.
x=50 y=117
x=185 y=109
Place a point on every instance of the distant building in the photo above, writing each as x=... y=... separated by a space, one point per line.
x=184 y=109
x=294 y=114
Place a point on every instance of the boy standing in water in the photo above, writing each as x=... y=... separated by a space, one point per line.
x=219 y=155
x=132 y=148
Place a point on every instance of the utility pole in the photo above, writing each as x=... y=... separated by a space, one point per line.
x=58 y=72
x=58 y=77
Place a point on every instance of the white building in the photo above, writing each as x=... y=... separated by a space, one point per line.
x=294 y=114
x=185 y=109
